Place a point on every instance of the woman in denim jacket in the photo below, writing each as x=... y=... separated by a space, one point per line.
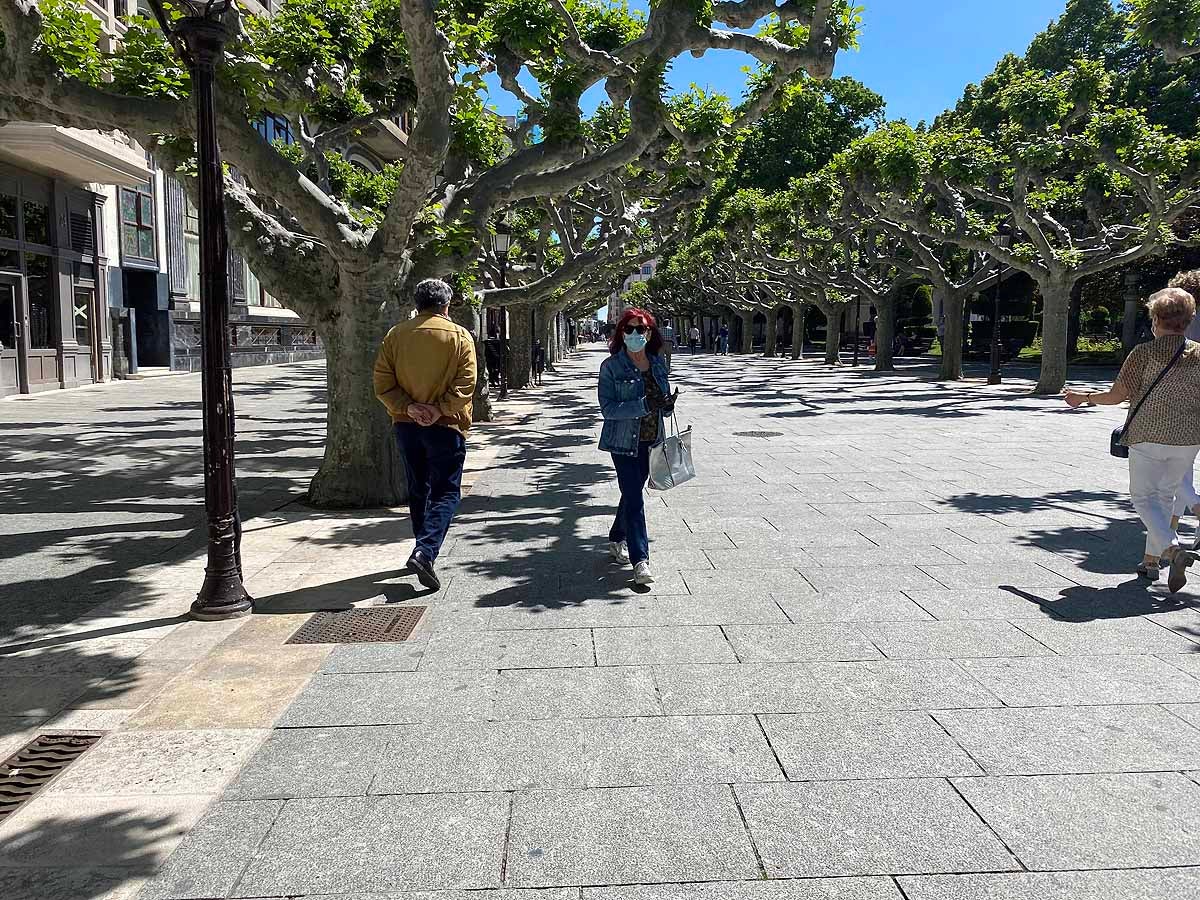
x=635 y=395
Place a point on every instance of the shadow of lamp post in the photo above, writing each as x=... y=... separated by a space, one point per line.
x=199 y=32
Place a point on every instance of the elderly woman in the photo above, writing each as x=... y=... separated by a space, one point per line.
x=634 y=396
x=1164 y=437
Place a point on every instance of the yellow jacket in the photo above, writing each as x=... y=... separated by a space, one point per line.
x=429 y=360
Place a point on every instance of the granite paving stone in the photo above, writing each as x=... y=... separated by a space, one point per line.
x=1152 y=884
x=850 y=606
x=1082 y=680
x=868 y=827
x=642 y=610
x=313 y=762
x=59 y=883
x=490 y=650
x=628 y=836
x=974 y=576
x=952 y=640
x=1092 y=821
x=660 y=645
x=1125 y=637
x=832 y=746
x=574 y=693
x=211 y=858
x=392 y=698
x=796 y=643
x=1010 y=603
x=151 y=763
x=347 y=844
x=805 y=889
x=1082 y=739
x=569 y=753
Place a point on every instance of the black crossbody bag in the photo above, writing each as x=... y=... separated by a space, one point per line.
x=1115 y=447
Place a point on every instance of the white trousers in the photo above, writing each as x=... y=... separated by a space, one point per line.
x=1156 y=474
x=1187 y=500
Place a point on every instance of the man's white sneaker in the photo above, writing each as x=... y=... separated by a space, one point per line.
x=619 y=551
x=642 y=574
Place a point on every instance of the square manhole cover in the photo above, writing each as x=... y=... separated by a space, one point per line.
x=373 y=624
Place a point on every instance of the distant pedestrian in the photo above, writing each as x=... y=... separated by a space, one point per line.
x=538 y=361
x=635 y=395
x=1164 y=436
x=693 y=339
x=425 y=376
x=668 y=339
x=723 y=340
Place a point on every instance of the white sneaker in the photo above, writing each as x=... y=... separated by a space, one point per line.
x=619 y=551
x=642 y=574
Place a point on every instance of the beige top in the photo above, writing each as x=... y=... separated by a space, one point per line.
x=1172 y=413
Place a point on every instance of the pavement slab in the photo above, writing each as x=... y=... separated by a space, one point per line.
x=561 y=753
x=871 y=827
x=1092 y=821
x=628 y=836
x=797 y=889
x=347 y=844
x=1155 y=884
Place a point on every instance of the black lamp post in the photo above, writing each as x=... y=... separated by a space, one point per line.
x=199 y=36
x=1005 y=233
x=501 y=243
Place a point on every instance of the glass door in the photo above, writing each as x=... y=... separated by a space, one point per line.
x=13 y=347
x=84 y=309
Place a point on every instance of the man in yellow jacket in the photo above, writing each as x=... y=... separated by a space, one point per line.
x=425 y=376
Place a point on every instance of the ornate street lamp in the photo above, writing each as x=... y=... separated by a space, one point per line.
x=501 y=244
x=199 y=36
x=1006 y=240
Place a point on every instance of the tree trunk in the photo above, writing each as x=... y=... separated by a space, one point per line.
x=885 y=332
x=833 y=335
x=520 y=345
x=468 y=316
x=362 y=467
x=772 y=333
x=799 y=313
x=1056 y=306
x=747 y=345
x=952 y=339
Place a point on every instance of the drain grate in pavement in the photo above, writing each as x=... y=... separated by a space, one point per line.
x=374 y=624
x=32 y=767
x=758 y=434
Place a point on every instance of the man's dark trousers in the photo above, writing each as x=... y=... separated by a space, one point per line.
x=433 y=460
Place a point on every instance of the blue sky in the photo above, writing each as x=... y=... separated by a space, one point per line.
x=919 y=54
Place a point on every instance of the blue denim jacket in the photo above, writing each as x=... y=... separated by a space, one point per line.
x=623 y=402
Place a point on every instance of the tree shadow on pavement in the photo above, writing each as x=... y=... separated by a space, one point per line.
x=79 y=857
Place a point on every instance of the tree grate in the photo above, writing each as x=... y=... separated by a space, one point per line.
x=374 y=624
x=758 y=434
x=32 y=767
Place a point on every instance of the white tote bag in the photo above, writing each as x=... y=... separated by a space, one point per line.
x=671 y=460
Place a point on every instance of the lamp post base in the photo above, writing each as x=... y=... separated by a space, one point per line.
x=203 y=612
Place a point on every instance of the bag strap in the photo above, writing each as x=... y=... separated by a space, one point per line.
x=1146 y=396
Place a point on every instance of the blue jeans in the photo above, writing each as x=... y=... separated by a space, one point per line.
x=433 y=462
x=630 y=523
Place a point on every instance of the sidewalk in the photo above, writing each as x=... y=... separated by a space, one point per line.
x=894 y=652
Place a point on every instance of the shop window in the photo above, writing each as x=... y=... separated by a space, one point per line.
x=137 y=224
x=40 y=285
x=8 y=216
x=37 y=222
x=191 y=244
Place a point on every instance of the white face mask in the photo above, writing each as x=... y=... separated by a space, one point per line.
x=635 y=342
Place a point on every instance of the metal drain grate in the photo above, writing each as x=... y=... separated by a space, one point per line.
x=32 y=767
x=758 y=434
x=374 y=624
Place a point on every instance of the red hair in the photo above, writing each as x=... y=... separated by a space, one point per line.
x=654 y=339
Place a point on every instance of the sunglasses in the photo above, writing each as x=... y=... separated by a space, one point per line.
x=640 y=329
